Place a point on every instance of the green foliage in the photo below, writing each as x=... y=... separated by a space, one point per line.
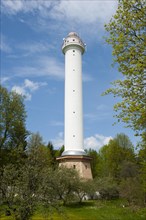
x=107 y=188
x=95 y=160
x=142 y=167
x=18 y=187
x=35 y=140
x=13 y=131
x=12 y=121
x=113 y=155
x=64 y=182
x=52 y=154
x=131 y=190
x=127 y=38
x=38 y=153
x=128 y=170
x=59 y=152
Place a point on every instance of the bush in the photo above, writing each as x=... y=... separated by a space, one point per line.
x=107 y=188
x=131 y=190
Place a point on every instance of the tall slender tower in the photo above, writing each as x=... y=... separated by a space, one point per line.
x=74 y=154
x=73 y=48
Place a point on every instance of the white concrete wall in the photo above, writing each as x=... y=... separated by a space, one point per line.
x=73 y=99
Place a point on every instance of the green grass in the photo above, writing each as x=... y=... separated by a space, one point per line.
x=94 y=210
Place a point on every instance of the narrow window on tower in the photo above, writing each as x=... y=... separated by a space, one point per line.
x=74 y=112
x=73 y=90
x=73 y=135
x=74 y=166
x=73 y=69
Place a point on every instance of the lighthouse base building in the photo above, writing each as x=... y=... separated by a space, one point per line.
x=74 y=155
x=81 y=163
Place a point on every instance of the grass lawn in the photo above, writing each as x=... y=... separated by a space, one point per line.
x=94 y=210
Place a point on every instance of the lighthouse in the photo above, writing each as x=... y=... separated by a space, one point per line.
x=74 y=155
x=73 y=49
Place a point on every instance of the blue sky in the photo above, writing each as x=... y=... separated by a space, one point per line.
x=32 y=64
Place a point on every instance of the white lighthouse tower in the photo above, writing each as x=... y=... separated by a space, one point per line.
x=73 y=48
x=74 y=154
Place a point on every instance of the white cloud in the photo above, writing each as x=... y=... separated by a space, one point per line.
x=35 y=47
x=42 y=66
x=12 y=6
x=81 y=12
x=32 y=86
x=58 y=17
x=22 y=91
x=96 y=141
x=101 y=112
x=15 y=6
x=4 y=79
x=4 y=46
x=27 y=88
x=87 y=78
x=97 y=116
x=58 y=141
x=86 y=12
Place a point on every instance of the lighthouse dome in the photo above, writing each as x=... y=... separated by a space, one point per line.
x=71 y=41
x=73 y=34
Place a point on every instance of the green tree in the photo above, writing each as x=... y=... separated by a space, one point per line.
x=52 y=153
x=19 y=189
x=94 y=162
x=12 y=120
x=59 y=184
x=107 y=187
x=103 y=166
x=59 y=152
x=13 y=131
x=39 y=154
x=35 y=140
x=20 y=185
x=142 y=168
x=128 y=169
x=131 y=190
x=127 y=37
x=114 y=154
x=124 y=141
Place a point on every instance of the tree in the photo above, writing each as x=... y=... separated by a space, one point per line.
x=19 y=189
x=35 y=140
x=13 y=131
x=131 y=190
x=52 y=153
x=38 y=153
x=59 y=184
x=59 y=152
x=12 y=120
x=128 y=169
x=124 y=141
x=142 y=168
x=127 y=38
x=20 y=185
x=107 y=187
x=94 y=162
x=114 y=154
